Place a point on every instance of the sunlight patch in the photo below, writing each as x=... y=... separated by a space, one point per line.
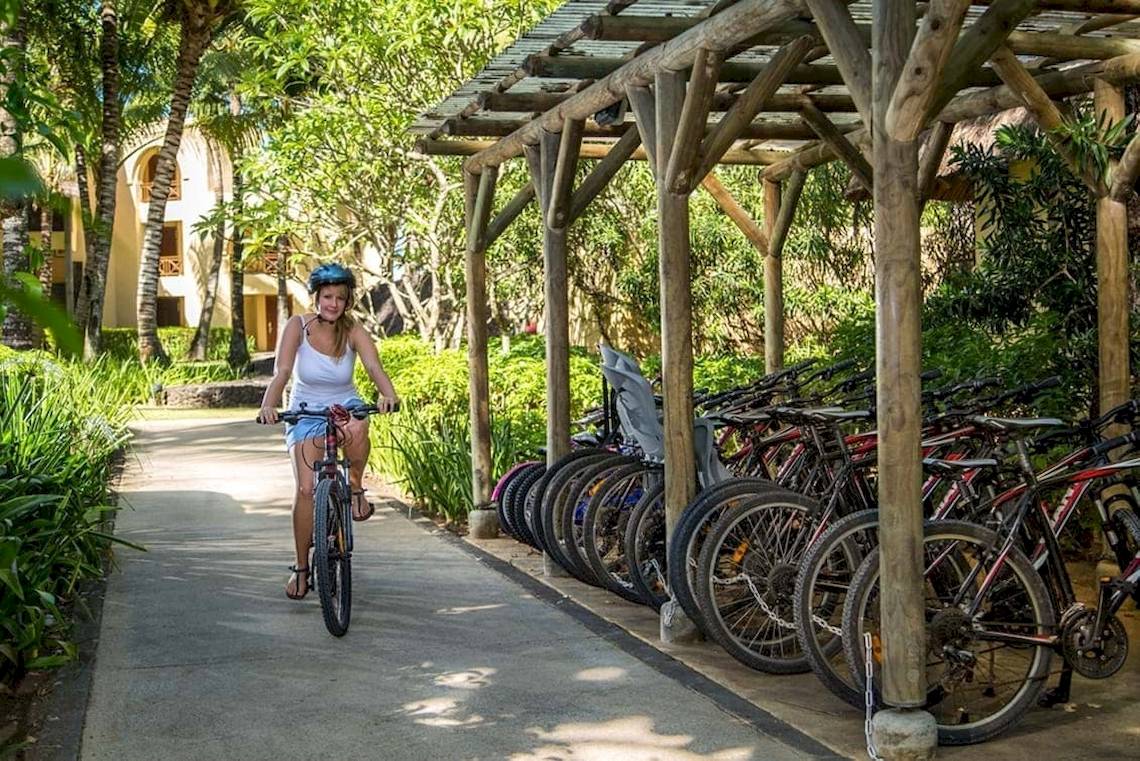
x=469 y=609
x=472 y=679
x=601 y=674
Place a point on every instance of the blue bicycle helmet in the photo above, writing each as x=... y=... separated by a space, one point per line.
x=331 y=273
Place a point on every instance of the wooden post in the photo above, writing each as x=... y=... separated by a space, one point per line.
x=480 y=191
x=773 y=285
x=557 y=297
x=1112 y=273
x=898 y=299
x=676 y=307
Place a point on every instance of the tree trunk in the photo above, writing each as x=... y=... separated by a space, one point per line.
x=201 y=342
x=82 y=308
x=239 y=352
x=17 y=330
x=194 y=39
x=283 y=249
x=99 y=250
x=46 y=274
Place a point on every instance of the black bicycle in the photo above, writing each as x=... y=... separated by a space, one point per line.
x=330 y=558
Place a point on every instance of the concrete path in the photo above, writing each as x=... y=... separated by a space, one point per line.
x=201 y=656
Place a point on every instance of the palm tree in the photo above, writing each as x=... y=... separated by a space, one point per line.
x=199 y=21
x=18 y=330
x=229 y=130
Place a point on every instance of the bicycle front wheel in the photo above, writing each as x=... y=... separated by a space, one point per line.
x=332 y=556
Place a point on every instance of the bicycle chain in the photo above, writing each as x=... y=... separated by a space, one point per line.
x=823 y=624
x=759 y=599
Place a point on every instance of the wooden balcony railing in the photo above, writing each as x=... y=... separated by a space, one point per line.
x=266 y=263
x=169 y=266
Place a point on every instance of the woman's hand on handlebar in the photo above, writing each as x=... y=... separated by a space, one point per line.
x=387 y=403
x=267 y=416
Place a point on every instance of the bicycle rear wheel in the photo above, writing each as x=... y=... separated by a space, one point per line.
x=645 y=547
x=988 y=623
x=332 y=556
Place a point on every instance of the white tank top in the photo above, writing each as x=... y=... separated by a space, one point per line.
x=320 y=380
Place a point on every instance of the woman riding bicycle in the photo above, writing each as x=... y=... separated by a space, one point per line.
x=319 y=351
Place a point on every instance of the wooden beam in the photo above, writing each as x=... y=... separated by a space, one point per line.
x=719 y=33
x=789 y=202
x=773 y=284
x=749 y=104
x=1122 y=70
x=478 y=210
x=597 y=151
x=931 y=160
x=842 y=147
x=976 y=45
x=644 y=107
x=558 y=208
x=694 y=118
x=737 y=213
x=604 y=171
x=1112 y=275
x=499 y=224
x=914 y=95
x=676 y=306
x=849 y=49
x=760 y=129
x=1018 y=78
x=898 y=357
x=533 y=156
x=597 y=67
x=722 y=101
x=1066 y=47
x=1124 y=176
x=626 y=28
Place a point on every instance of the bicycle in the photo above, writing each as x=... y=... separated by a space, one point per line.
x=330 y=556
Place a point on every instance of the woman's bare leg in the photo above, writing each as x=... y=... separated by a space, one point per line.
x=357 y=446
x=303 y=455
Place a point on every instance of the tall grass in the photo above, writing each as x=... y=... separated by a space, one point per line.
x=429 y=456
x=60 y=426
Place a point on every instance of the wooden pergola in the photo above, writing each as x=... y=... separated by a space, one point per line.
x=785 y=85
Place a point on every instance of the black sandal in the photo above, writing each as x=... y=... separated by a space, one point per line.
x=371 y=508
x=304 y=589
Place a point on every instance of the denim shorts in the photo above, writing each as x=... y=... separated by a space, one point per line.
x=312 y=427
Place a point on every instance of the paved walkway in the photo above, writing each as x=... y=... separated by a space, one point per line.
x=201 y=656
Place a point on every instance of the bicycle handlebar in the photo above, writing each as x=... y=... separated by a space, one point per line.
x=293 y=416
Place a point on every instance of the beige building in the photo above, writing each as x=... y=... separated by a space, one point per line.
x=203 y=172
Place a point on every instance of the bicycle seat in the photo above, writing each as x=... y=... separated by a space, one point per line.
x=950 y=466
x=1017 y=424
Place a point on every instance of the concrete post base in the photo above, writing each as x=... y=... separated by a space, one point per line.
x=904 y=734
x=483 y=524
x=551 y=569
x=676 y=626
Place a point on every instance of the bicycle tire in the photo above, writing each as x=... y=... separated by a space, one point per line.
x=603 y=528
x=499 y=494
x=518 y=504
x=1127 y=525
x=824 y=575
x=645 y=545
x=511 y=495
x=553 y=502
x=747 y=564
x=574 y=514
x=331 y=555
x=532 y=504
x=693 y=526
x=1034 y=605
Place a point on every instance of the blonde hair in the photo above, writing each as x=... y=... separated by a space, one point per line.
x=344 y=324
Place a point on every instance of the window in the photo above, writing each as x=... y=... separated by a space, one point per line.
x=149 y=168
x=170 y=256
x=169 y=311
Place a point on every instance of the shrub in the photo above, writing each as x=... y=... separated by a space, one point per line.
x=123 y=343
x=52 y=498
x=426 y=447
